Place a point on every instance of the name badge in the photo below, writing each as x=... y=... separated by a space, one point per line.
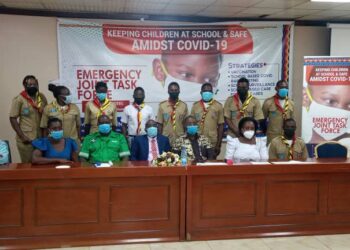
x=53 y=110
x=166 y=116
x=25 y=111
x=281 y=156
x=197 y=116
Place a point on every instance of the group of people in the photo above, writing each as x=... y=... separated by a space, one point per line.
x=50 y=133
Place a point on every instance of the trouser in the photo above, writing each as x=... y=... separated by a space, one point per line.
x=25 y=151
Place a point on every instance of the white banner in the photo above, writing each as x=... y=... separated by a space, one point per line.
x=128 y=56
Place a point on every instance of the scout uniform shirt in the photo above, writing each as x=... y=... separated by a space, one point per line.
x=70 y=118
x=29 y=114
x=235 y=110
x=93 y=110
x=281 y=149
x=104 y=148
x=276 y=114
x=171 y=117
x=209 y=116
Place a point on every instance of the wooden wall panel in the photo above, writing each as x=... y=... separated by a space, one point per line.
x=11 y=207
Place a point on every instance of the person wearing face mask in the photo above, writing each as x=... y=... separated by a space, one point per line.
x=198 y=147
x=209 y=114
x=242 y=104
x=246 y=147
x=54 y=148
x=25 y=115
x=171 y=114
x=136 y=115
x=105 y=145
x=148 y=147
x=288 y=146
x=63 y=109
x=276 y=109
x=98 y=106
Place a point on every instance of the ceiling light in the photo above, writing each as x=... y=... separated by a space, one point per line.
x=331 y=1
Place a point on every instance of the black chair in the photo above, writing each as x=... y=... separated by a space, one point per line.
x=331 y=149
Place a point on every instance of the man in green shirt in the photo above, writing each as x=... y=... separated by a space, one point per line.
x=104 y=145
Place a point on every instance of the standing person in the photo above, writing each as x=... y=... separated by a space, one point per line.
x=209 y=114
x=63 y=109
x=242 y=104
x=276 y=109
x=171 y=114
x=148 y=147
x=136 y=115
x=101 y=105
x=288 y=146
x=25 y=115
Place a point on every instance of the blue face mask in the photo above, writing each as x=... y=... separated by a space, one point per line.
x=56 y=134
x=207 y=96
x=101 y=96
x=192 y=129
x=283 y=92
x=152 y=131
x=104 y=128
x=68 y=99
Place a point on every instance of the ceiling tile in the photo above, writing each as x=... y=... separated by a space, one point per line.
x=342 y=7
x=316 y=5
x=284 y=4
x=261 y=11
x=334 y=13
x=238 y=3
x=183 y=9
x=23 y=4
x=220 y=11
x=293 y=13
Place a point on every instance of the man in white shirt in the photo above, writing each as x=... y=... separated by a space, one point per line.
x=136 y=115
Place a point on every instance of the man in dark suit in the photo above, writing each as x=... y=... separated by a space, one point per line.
x=148 y=147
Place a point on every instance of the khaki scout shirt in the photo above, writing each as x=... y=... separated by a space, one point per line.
x=164 y=118
x=278 y=150
x=232 y=112
x=70 y=120
x=213 y=118
x=91 y=113
x=275 y=119
x=29 y=117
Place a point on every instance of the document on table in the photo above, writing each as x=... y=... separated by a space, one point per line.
x=260 y=162
x=291 y=162
x=211 y=164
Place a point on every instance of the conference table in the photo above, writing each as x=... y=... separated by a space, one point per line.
x=41 y=206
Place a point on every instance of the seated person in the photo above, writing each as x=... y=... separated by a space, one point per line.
x=54 y=148
x=105 y=145
x=198 y=147
x=4 y=153
x=149 y=146
x=288 y=146
x=246 y=147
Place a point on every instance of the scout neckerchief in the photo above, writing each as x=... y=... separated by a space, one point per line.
x=63 y=109
x=38 y=102
x=139 y=115
x=101 y=108
x=283 y=110
x=244 y=106
x=290 y=147
x=205 y=110
x=173 y=112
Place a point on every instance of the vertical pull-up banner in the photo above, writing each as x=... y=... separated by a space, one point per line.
x=326 y=100
x=130 y=56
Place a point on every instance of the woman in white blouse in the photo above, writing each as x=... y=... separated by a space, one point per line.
x=247 y=147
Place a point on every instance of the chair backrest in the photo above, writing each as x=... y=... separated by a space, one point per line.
x=331 y=149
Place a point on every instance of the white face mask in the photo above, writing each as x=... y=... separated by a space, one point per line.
x=337 y=123
x=249 y=134
x=190 y=90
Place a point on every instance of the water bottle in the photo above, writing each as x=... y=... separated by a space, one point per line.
x=183 y=156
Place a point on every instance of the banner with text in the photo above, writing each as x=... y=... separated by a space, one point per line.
x=326 y=100
x=128 y=56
